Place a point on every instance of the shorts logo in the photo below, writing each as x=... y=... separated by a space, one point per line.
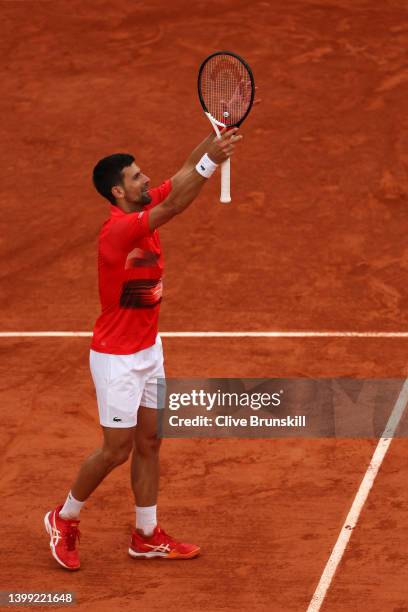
x=116 y=419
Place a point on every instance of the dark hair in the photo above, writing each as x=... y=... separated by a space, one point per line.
x=108 y=173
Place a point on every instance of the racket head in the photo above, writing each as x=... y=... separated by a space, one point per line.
x=226 y=88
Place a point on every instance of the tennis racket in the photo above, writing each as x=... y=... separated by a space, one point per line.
x=226 y=90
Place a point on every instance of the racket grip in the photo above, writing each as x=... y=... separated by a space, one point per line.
x=225 y=196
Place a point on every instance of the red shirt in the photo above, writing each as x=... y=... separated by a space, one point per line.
x=130 y=269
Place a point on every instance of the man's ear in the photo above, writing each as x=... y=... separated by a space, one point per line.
x=117 y=191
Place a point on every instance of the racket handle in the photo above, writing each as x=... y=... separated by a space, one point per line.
x=225 y=196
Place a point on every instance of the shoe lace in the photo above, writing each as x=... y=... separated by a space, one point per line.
x=72 y=534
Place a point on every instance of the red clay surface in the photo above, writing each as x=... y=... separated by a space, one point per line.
x=315 y=239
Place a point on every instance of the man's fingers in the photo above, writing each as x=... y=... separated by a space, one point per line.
x=231 y=141
x=231 y=136
x=228 y=132
x=228 y=150
x=226 y=143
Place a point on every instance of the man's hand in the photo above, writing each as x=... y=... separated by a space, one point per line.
x=222 y=148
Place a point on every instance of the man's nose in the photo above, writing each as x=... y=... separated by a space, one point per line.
x=146 y=179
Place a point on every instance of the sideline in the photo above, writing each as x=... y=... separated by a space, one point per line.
x=359 y=500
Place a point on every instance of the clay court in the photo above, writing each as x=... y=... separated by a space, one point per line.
x=314 y=241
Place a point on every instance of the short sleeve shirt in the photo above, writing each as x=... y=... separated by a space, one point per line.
x=130 y=270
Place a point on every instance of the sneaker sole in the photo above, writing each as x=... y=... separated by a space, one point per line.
x=159 y=555
x=48 y=529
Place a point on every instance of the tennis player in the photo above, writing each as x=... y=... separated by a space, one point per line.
x=126 y=356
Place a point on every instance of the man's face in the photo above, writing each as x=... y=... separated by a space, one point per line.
x=135 y=185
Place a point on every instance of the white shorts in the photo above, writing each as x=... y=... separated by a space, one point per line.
x=125 y=382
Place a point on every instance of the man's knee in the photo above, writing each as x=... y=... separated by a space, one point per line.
x=148 y=445
x=116 y=455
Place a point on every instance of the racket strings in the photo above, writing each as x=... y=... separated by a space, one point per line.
x=226 y=88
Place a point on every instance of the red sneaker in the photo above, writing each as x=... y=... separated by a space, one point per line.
x=159 y=544
x=63 y=536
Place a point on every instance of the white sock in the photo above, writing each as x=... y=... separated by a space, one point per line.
x=146 y=519
x=71 y=508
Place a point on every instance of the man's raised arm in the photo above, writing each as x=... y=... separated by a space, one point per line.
x=188 y=182
x=193 y=158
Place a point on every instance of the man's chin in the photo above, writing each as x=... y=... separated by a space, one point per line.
x=145 y=199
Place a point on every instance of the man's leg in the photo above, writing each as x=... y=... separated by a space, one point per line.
x=145 y=467
x=62 y=523
x=148 y=540
x=117 y=445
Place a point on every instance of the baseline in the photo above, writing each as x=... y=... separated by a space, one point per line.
x=218 y=334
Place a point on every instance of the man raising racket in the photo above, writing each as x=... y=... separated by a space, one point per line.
x=126 y=356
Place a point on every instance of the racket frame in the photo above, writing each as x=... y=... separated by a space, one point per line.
x=251 y=76
x=225 y=196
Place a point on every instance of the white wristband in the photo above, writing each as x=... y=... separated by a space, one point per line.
x=206 y=167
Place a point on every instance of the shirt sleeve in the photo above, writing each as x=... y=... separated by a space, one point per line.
x=158 y=194
x=129 y=229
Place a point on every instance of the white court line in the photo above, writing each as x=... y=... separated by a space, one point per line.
x=218 y=334
x=359 y=500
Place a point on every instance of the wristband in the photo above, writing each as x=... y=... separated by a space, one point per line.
x=206 y=167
